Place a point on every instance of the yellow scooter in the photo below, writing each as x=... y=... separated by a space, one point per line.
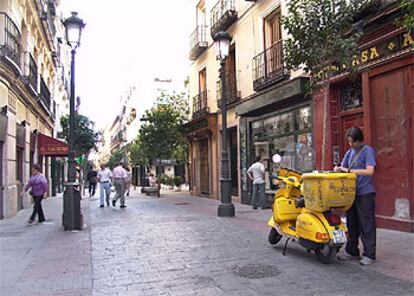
x=303 y=210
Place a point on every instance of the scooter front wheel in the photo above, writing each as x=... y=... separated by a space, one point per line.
x=326 y=254
x=274 y=237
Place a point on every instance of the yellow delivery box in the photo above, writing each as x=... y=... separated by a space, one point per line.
x=323 y=191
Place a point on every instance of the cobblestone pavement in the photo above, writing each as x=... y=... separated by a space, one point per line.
x=43 y=259
x=170 y=247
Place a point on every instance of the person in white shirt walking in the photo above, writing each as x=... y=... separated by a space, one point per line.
x=104 y=178
x=256 y=173
x=120 y=177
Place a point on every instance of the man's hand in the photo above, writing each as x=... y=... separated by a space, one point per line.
x=339 y=169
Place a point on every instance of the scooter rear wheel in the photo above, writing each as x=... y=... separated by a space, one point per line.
x=274 y=237
x=326 y=254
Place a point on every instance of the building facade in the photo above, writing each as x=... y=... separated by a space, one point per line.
x=380 y=100
x=267 y=110
x=30 y=52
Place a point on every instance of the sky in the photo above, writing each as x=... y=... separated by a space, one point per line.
x=129 y=43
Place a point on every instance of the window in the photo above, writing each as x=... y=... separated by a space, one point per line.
x=288 y=134
x=272 y=29
x=19 y=164
x=350 y=96
x=202 y=80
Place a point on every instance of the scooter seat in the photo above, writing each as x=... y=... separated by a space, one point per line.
x=300 y=202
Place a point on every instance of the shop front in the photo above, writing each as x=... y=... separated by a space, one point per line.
x=279 y=121
x=203 y=154
x=57 y=150
x=379 y=100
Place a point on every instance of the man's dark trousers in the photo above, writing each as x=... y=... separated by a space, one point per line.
x=361 y=223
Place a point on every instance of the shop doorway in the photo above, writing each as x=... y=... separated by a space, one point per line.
x=233 y=161
x=204 y=167
x=392 y=136
x=347 y=121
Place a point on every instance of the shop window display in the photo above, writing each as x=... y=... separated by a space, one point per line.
x=288 y=134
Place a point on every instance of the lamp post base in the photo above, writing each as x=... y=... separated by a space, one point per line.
x=226 y=207
x=72 y=218
x=225 y=210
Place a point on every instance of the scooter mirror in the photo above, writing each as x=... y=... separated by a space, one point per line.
x=277 y=158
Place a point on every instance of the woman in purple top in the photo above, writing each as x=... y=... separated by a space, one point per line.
x=39 y=187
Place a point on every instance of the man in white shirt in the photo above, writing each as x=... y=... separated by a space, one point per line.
x=256 y=174
x=120 y=176
x=104 y=178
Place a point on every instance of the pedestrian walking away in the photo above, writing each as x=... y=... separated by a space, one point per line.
x=104 y=178
x=119 y=176
x=39 y=187
x=92 y=179
x=360 y=160
x=128 y=180
x=256 y=174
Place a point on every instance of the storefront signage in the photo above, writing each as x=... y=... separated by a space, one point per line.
x=196 y=126
x=382 y=50
x=291 y=89
x=49 y=146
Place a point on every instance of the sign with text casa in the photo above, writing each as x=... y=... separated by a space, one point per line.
x=393 y=45
x=49 y=146
x=374 y=52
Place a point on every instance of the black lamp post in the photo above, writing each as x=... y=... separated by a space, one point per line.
x=72 y=217
x=226 y=208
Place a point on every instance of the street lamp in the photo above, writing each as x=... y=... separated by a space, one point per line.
x=72 y=217
x=226 y=207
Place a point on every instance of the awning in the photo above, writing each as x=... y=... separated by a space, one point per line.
x=49 y=146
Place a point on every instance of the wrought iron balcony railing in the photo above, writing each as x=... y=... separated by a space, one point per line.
x=47 y=14
x=9 y=39
x=232 y=94
x=268 y=66
x=45 y=97
x=223 y=15
x=30 y=70
x=198 y=42
x=200 y=107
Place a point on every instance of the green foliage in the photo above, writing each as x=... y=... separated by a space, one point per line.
x=86 y=137
x=321 y=34
x=136 y=153
x=178 y=181
x=160 y=137
x=166 y=180
x=115 y=159
x=408 y=15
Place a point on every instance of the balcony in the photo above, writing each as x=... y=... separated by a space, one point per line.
x=9 y=40
x=232 y=95
x=223 y=15
x=198 y=42
x=200 y=104
x=268 y=67
x=45 y=97
x=47 y=14
x=30 y=71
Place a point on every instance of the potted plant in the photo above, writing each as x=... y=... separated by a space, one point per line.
x=178 y=181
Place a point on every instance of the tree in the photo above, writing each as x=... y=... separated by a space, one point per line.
x=407 y=20
x=115 y=158
x=160 y=137
x=322 y=38
x=136 y=153
x=86 y=137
